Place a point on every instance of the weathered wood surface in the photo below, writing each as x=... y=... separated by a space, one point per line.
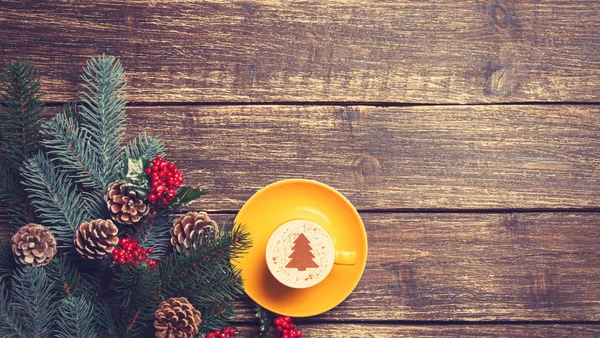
x=475 y=267
x=455 y=157
x=436 y=331
x=403 y=51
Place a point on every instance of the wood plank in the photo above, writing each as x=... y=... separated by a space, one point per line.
x=345 y=50
x=475 y=267
x=456 y=157
x=434 y=331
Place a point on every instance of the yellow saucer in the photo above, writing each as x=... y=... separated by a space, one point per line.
x=310 y=200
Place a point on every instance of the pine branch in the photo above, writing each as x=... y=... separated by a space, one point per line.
x=156 y=235
x=206 y=264
x=20 y=112
x=55 y=198
x=135 y=285
x=144 y=146
x=32 y=301
x=69 y=145
x=20 y=119
x=10 y=324
x=102 y=113
x=7 y=261
x=106 y=319
x=14 y=197
x=66 y=279
x=75 y=318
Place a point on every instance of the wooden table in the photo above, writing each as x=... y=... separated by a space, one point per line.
x=465 y=132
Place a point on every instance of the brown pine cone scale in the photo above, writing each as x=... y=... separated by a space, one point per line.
x=123 y=205
x=93 y=240
x=189 y=228
x=176 y=318
x=33 y=245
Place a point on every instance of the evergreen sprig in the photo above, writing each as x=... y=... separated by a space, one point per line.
x=75 y=318
x=205 y=275
x=11 y=325
x=32 y=301
x=55 y=197
x=7 y=261
x=20 y=119
x=144 y=146
x=102 y=114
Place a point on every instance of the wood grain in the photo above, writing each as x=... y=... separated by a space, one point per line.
x=475 y=267
x=434 y=331
x=442 y=157
x=344 y=50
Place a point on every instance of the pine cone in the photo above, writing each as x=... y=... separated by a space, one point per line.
x=189 y=228
x=33 y=245
x=93 y=240
x=176 y=318
x=124 y=206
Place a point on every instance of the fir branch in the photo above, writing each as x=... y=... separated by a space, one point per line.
x=144 y=146
x=135 y=285
x=32 y=301
x=70 y=144
x=14 y=197
x=156 y=235
x=20 y=112
x=7 y=261
x=75 y=318
x=10 y=324
x=57 y=202
x=102 y=113
x=66 y=279
x=181 y=273
x=106 y=320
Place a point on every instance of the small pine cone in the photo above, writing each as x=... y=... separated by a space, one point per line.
x=188 y=229
x=33 y=245
x=176 y=318
x=93 y=240
x=124 y=206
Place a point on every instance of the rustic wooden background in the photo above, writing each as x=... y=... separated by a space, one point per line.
x=465 y=132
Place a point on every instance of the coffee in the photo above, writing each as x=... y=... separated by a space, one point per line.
x=300 y=254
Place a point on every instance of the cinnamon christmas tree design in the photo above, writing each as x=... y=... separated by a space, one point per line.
x=302 y=257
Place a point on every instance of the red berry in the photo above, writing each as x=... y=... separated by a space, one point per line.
x=149 y=250
x=292 y=325
x=115 y=258
x=160 y=189
x=152 y=197
x=278 y=321
x=279 y=328
x=231 y=330
x=127 y=239
x=121 y=260
x=298 y=333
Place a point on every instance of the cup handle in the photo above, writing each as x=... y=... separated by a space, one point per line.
x=345 y=257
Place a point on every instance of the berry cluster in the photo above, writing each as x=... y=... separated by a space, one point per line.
x=164 y=178
x=225 y=333
x=130 y=252
x=286 y=327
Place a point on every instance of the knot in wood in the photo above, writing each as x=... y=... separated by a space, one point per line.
x=499 y=14
x=367 y=165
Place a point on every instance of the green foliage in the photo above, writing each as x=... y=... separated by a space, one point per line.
x=7 y=261
x=66 y=279
x=75 y=318
x=32 y=301
x=102 y=114
x=206 y=277
x=20 y=119
x=10 y=323
x=144 y=146
x=185 y=196
x=54 y=196
x=156 y=235
x=135 y=285
x=265 y=317
x=135 y=177
x=20 y=112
